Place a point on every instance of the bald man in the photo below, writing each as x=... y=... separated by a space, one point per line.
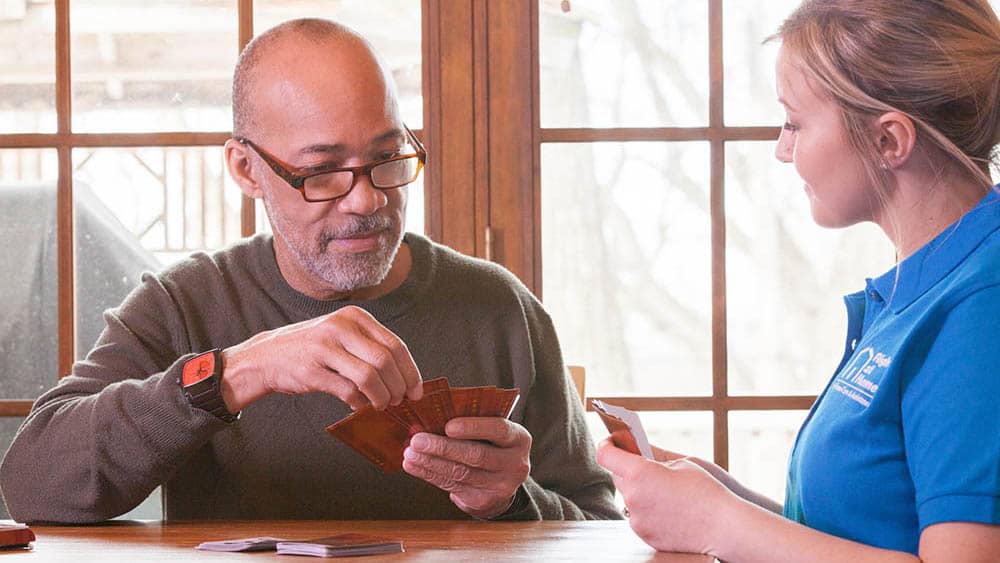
x=216 y=377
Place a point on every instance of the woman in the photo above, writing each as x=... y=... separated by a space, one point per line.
x=893 y=115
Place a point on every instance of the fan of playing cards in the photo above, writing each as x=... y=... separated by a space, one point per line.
x=381 y=436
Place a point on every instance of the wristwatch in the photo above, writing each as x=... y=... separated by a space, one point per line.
x=200 y=381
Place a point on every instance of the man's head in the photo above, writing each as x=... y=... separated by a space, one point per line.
x=312 y=93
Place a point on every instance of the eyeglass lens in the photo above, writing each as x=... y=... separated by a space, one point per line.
x=392 y=174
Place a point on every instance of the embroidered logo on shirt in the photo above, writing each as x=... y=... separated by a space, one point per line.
x=859 y=380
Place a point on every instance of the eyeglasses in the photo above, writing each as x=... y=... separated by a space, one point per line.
x=324 y=183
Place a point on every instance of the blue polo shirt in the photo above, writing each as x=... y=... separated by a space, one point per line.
x=907 y=432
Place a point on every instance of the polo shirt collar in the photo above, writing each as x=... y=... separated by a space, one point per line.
x=939 y=257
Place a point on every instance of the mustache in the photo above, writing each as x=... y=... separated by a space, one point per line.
x=356 y=226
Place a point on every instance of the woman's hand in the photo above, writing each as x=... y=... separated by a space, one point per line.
x=723 y=477
x=674 y=504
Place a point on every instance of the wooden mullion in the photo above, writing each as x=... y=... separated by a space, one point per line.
x=65 y=270
x=625 y=134
x=162 y=139
x=708 y=403
x=482 y=193
x=432 y=115
x=16 y=407
x=430 y=24
x=620 y=134
x=536 y=147
x=511 y=165
x=749 y=134
x=453 y=170
x=720 y=371
x=248 y=215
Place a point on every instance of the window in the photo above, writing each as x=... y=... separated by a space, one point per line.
x=679 y=259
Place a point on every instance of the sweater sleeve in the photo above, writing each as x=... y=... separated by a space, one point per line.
x=565 y=482
x=95 y=445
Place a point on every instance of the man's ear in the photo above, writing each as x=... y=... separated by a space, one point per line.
x=238 y=163
x=896 y=137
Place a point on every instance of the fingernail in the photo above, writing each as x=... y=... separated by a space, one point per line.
x=411 y=455
x=420 y=442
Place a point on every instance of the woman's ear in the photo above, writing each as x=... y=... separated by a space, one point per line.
x=896 y=136
x=238 y=163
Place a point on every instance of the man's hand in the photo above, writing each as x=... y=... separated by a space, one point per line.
x=481 y=462
x=346 y=353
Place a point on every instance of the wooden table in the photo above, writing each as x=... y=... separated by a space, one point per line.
x=138 y=541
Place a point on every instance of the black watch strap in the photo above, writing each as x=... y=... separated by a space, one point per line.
x=200 y=381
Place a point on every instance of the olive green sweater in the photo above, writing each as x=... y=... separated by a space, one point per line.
x=101 y=440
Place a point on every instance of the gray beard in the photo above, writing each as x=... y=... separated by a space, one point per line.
x=343 y=272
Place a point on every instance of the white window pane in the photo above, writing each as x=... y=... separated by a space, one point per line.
x=627 y=257
x=138 y=209
x=627 y=63
x=750 y=97
x=394 y=27
x=153 y=65
x=786 y=276
x=28 y=302
x=759 y=445
x=27 y=67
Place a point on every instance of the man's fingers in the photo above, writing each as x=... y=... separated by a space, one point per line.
x=364 y=377
x=403 y=362
x=499 y=431
x=345 y=390
x=472 y=454
x=445 y=474
x=374 y=354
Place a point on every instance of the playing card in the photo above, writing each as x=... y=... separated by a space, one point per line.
x=15 y=535
x=341 y=545
x=505 y=399
x=433 y=385
x=381 y=436
x=434 y=411
x=467 y=400
x=404 y=413
x=625 y=427
x=244 y=544
x=375 y=435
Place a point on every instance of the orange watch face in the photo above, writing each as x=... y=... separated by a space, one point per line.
x=198 y=368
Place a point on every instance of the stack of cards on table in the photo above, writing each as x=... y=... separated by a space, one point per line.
x=381 y=436
x=244 y=544
x=15 y=535
x=625 y=427
x=340 y=545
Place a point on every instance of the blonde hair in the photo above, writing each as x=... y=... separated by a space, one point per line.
x=936 y=61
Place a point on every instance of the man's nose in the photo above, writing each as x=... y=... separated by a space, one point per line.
x=363 y=198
